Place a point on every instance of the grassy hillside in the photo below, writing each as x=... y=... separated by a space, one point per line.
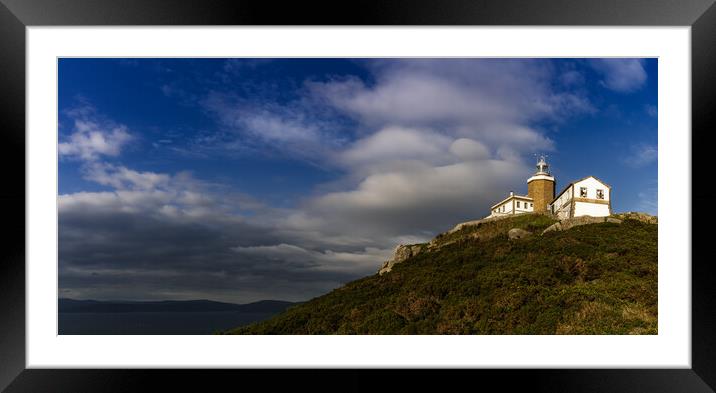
x=592 y=279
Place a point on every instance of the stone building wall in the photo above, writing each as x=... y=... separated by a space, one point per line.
x=542 y=192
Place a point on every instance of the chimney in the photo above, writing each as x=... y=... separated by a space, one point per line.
x=512 y=193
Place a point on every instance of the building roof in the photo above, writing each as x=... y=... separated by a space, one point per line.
x=526 y=198
x=577 y=181
x=540 y=176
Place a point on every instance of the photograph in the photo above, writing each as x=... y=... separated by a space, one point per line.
x=357 y=195
x=210 y=192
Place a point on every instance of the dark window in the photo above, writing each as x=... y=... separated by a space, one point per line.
x=518 y=203
x=600 y=194
x=583 y=192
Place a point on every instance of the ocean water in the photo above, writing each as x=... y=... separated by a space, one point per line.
x=206 y=322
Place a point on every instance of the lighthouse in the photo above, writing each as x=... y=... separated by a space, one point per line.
x=588 y=196
x=541 y=186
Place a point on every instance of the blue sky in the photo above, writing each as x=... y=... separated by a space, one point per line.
x=248 y=179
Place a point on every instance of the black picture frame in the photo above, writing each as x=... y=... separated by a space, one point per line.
x=16 y=15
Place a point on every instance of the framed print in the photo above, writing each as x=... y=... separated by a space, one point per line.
x=475 y=188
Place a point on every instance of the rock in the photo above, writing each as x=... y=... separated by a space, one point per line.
x=402 y=253
x=568 y=223
x=581 y=220
x=517 y=233
x=387 y=266
x=554 y=227
x=479 y=222
x=643 y=217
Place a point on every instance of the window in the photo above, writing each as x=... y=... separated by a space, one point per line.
x=531 y=205
x=600 y=194
x=583 y=192
x=518 y=203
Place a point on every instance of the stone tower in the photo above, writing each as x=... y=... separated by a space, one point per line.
x=540 y=187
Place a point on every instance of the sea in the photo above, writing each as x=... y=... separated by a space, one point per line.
x=205 y=322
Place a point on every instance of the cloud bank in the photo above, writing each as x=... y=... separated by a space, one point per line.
x=422 y=145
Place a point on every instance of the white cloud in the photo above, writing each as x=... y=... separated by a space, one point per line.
x=469 y=150
x=122 y=178
x=417 y=202
x=439 y=142
x=479 y=93
x=621 y=75
x=410 y=99
x=92 y=138
x=165 y=196
x=642 y=155
x=494 y=102
x=258 y=126
x=397 y=143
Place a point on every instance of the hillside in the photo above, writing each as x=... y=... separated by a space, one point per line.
x=598 y=278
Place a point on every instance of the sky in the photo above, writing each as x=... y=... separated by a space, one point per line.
x=239 y=180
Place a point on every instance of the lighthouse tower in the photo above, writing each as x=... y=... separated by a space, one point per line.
x=540 y=187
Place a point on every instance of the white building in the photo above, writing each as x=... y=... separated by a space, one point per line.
x=585 y=197
x=540 y=191
x=513 y=204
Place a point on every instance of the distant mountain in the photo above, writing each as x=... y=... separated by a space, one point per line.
x=526 y=274
x=96 y=306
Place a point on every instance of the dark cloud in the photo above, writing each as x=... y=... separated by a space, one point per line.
x=116 y=254
x=173 y=237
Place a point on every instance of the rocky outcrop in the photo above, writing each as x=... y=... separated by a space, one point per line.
x=517 y=233
x=478 y=222
x=568 y=223
x=402 y=253
x=643 y=217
